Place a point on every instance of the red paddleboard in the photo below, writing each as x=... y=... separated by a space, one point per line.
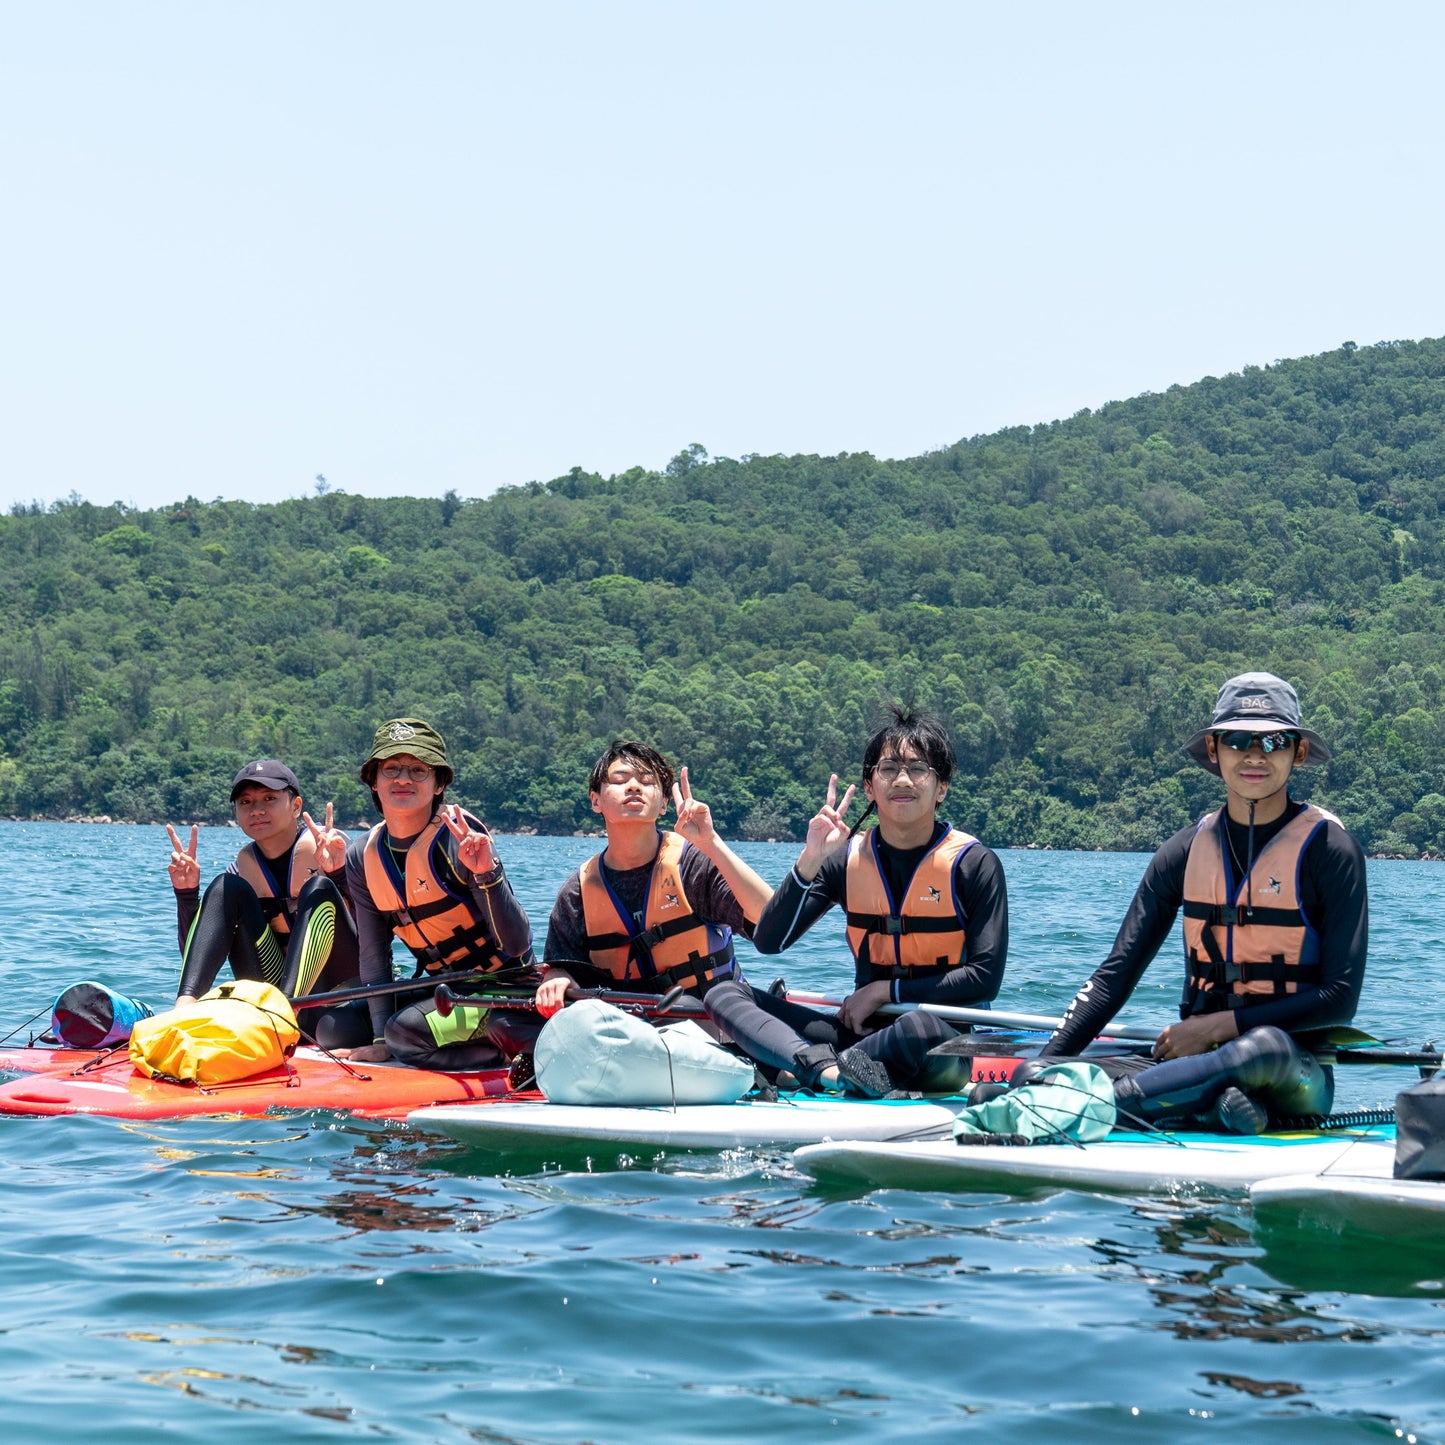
x=43 y=1060
x=312 y=1081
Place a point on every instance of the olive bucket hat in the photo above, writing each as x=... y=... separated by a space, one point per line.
x=408 y=735
x=1255 y=702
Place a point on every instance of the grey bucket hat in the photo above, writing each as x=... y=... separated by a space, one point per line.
x=1255 y=702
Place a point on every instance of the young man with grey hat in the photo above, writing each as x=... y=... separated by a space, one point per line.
x=429 y=875
x=279 y=913
x=1276 y=925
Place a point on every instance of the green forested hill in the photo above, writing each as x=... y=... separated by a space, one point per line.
x=1069 y=596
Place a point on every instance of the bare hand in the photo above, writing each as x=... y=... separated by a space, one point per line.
x=552 y=993
x=862 y=1004
x=827 y=830
x=694 y=817
x=1196 y=1035
x=474 y=850
x=330 y=842
x=185 y=871
x=365 y=1054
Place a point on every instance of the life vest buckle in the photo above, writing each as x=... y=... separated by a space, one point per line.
x=893 y=926
x=1231 y=916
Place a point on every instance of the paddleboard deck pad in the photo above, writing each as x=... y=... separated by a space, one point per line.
x=52 y=1085
x=526 y=1127
x=1124 y=1162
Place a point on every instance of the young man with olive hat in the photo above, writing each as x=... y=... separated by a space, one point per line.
x=1276 y=925
x=278 y=913
x=428 y=874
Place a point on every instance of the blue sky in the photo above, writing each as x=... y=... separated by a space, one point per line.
x=444 y=245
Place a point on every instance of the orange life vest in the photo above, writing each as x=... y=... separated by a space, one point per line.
x=925 y=932
x=670 y=945
x=280 y=912
x=436 y=921
x=1246 y=939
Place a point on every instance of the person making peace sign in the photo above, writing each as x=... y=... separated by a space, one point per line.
x=279 y=913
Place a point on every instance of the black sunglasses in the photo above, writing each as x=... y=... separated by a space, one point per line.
x=1241 y=742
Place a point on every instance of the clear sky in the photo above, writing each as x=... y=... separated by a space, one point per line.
x=458 y=245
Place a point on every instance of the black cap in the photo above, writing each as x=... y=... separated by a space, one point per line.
x=267 y=773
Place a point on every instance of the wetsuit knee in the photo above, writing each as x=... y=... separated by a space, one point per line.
x=1262 y=1059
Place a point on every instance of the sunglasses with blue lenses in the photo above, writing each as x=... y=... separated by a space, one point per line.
x=1241 y=742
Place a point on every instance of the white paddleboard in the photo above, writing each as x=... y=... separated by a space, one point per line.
x=1357 y=1202
x=1125 y=1162
x=528 y=1126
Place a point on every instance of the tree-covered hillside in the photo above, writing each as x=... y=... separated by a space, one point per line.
x=1069 y=596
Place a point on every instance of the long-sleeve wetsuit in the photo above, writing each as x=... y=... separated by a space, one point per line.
x=904 y=1045
x=1333 y=898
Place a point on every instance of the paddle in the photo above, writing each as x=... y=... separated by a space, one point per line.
x=1341 y=1044
x=383 y=990
x=646 y=1005
x=993 y=1018
x=675 y=1001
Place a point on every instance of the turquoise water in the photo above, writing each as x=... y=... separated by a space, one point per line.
x=305 y=1277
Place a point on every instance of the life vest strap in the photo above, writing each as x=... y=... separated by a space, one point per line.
x=425 y=910
x=698 y=971
x=1222 y=915
x=1218 y=976
x=644 y=942
x=430 y=956
x=891 y=925
x=879 y=972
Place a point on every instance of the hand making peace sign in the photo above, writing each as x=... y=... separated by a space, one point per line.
x=827 y=830
x=474 y=850
x=330 y=842
x=185 y=871
x=694 y=817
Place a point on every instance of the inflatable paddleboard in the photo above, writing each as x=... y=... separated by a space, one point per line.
x=525 y=1127
x=1371 y=1204
x=44 y=1060
x=312 y=1081
x=1123 y=1162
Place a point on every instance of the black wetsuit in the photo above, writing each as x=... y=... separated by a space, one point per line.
x=903 y=1046
x=1332 y=897
x=231 y=922
x=469 y=1037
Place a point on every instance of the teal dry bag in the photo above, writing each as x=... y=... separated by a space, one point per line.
x=1070 y=1102
x=92 y=1016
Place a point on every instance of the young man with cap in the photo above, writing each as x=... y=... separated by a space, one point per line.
x=1276 y=925
x=925 y=904
x=429 y=875
x=279 y=912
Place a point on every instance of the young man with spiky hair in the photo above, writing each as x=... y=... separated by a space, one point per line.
x=1276 y=927
x=925 y=904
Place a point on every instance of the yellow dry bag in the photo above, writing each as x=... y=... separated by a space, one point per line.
x=235 y=1031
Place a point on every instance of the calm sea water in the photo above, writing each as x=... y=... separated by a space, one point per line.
x=309 y=1278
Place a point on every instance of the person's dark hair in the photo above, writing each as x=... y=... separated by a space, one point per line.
x=638 y=753
x=921 y=731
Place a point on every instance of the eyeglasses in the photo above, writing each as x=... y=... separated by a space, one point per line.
x=1241 y=742
x=894 y=768
x=414 y=772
